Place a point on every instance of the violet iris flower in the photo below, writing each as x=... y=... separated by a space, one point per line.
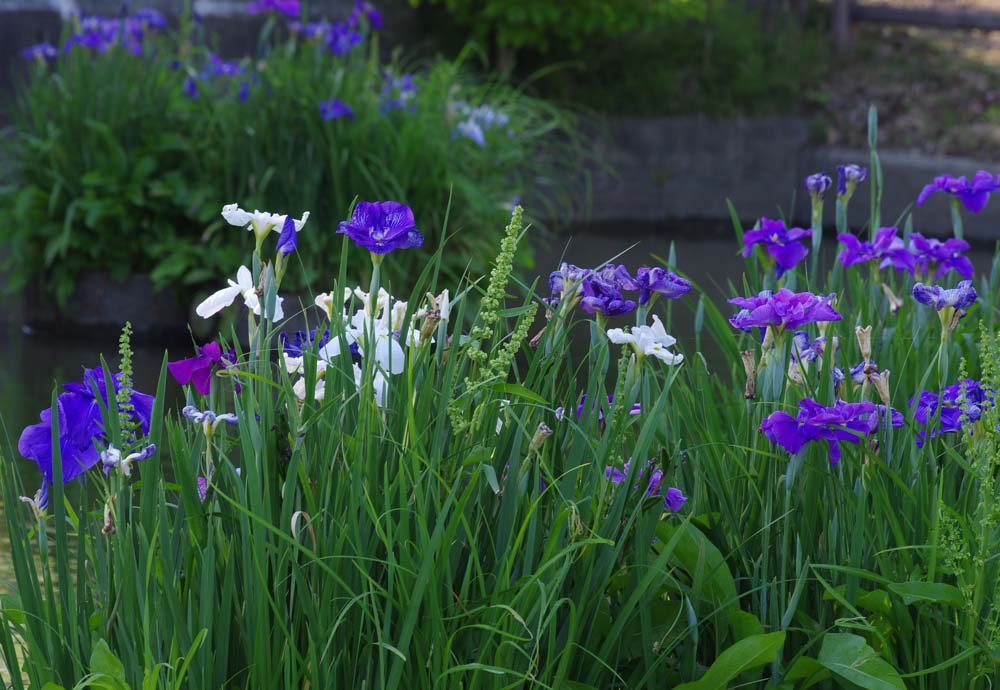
x=961 y=403
x=673 y=500
x=80 y=425
x=198 y=370
x=782 y=244
x=561 y=412
x=366 y=11
x=782 y=309
x=817 y=185
x=341 y=39
x=288 y=240
x=289 y=8
x=805 y=349
x=974 y=195
x=815 y=422
x=332 y=110
x=567 y=273
x=931 y=253
x=382 y=227
x=849 y=177
x=886 y=249
x=603 y=295
x=40 y=51
x=398 y=93
x=659 y=281
x=960 y=297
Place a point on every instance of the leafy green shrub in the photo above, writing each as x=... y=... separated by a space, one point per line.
x=120 y=161
x=573 y=23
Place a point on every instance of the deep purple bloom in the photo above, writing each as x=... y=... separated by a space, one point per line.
x=782 y=244
x=198 y=370
x=80 y=425
x=303 y=341
x=288 y=240
x=961 y=297
x=605 y=296
x=332 y=110
x=817 y=185
x=783 y=309
x=659 y=281
x=805 y=349
x=398 y=93
x=341 y=39
x=366 y=11
x=961 y=403
x=885 y=248
x=567 y=273
x=973 y=195
x=382 y=227
x=674 y=499
x=40 y=51
x=850 y=176
x=149 y=18
x=191 y=87
x=815 y=422
x=932 y=254
x=289 y=8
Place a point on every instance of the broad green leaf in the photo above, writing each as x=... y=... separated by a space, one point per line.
x=746 y=654
x=104 y=663
x=937 y=592
x=744 y=624
x=807 y=670
x=850 y=658
x=697 y=555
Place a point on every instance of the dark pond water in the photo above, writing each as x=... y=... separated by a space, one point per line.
x=33 y=363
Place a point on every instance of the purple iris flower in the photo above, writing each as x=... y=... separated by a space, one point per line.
x=815 y=422
x=472 y=131
x=973 y=195
x=221 y=68
x=886 y=248
x=567 y=273
x=198 y=370
x=782 y=244
x=289 y=8
x=191 y=87
x=941 y=257
x=366 y=11
x=80 y=425
x=40 y=51
x=302 y=341
x=288 y=240
x=960 y=403
x=659 y=281
x=382 y=227
x=805 y=349
x=561 y=412
x=149 y=18
x=849 y=177
x=782 y=309
x=332 y=110
x=398 y=93
x=817 y=185
x=604 y=295
x=674 y=498
x=960 y=297
x=341 y=39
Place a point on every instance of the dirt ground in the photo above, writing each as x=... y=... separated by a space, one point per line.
x=937 y=91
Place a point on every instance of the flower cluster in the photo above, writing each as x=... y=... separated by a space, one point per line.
x=974 y=194
x=477 y=121
x=100 y=34
x=783 y=245
x=81 y=425
x=398 y=93
x=221 y=76
x=922 y=255
x=648 y=341
x=602 y=290
x=815 y=422
x=673 y=499
x=784 y=309
x=958 y=405
x=289 y=8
